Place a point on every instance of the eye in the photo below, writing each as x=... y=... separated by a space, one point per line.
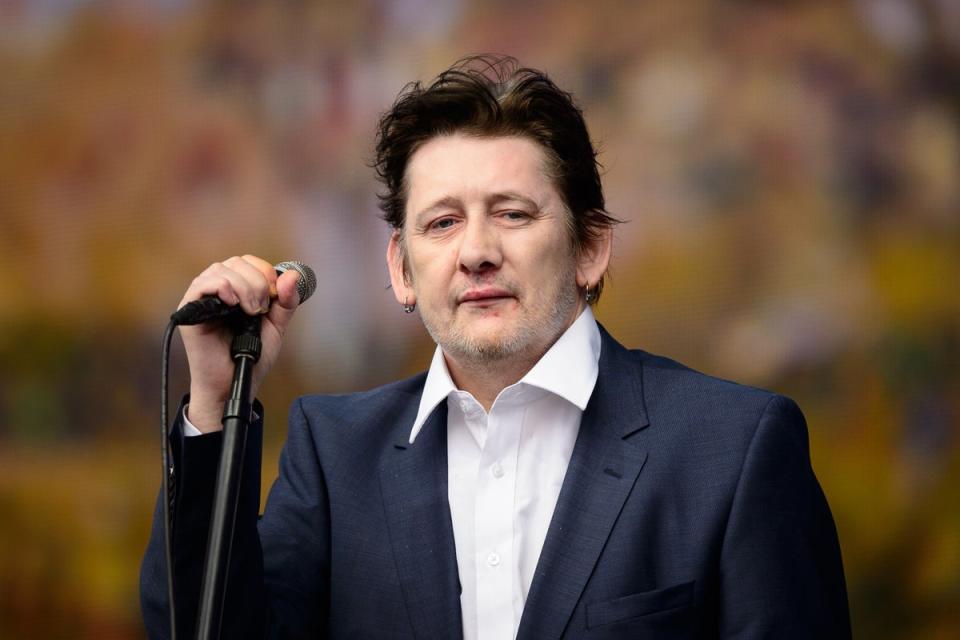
x=441 y=224
x=515 y=216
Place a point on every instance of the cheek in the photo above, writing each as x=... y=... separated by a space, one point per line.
x=547 y=254
x=431 y=272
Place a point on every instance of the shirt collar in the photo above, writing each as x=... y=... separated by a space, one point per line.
x=568 y=369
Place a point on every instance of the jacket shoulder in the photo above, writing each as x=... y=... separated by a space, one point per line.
x=678 y=392
x=357 y=422
x=704 y=417
x=362 y=403
x=680 y=378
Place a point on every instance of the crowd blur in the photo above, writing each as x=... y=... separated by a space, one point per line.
x=787 y=174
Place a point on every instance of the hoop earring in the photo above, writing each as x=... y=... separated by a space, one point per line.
x=407 y=307
x=590 y=294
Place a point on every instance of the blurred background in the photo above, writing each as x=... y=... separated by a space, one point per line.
x=787 y=171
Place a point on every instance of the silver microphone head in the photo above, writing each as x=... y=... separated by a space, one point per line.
x=307 y=283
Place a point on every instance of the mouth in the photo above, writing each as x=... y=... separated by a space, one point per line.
x=484 y=297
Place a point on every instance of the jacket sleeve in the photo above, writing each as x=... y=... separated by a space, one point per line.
x=277 y=585
x=195 y=461
x=781 y=574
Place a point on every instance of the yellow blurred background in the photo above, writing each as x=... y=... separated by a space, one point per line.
x=787 y=170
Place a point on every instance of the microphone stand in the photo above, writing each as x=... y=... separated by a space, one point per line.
x=245 y=350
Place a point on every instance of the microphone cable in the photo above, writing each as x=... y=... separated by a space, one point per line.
x=167 y=474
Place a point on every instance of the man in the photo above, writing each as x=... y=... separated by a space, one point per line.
x=540 y=480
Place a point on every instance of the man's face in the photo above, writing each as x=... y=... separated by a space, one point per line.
x=489 y=258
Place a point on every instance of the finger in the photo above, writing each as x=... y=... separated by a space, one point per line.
x=256 y=294
x=212 y=281
x=288 y=299
x=287 y=294
x=211 y=285
x=230 y=286
x=267 y=269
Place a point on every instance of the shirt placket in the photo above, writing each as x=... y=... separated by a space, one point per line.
x=494 y=524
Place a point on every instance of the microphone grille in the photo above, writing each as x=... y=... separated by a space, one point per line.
x=307 y=283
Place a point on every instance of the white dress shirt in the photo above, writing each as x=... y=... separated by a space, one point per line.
x=505 y=469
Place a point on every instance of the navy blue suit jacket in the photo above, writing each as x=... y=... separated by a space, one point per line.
x=689 y=510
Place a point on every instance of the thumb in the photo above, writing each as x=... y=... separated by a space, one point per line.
x=288 y=299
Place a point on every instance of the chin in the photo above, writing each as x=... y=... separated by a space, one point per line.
x=488 y=346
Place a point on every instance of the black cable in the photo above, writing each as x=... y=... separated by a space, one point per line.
x=167 y=474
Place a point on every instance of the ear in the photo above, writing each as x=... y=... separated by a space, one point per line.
x=594 y=258
x=399 y=282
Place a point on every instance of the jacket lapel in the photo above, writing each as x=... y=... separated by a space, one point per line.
x=603 y=469
x=413 y=481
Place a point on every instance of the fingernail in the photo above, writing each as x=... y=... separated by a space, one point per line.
x=263 y=309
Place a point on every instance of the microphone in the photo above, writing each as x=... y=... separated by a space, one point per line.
x=212 y=307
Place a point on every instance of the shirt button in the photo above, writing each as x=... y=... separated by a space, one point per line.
x=497 y=470
x=493 y=559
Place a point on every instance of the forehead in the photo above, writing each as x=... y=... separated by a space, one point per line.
x=467 y=167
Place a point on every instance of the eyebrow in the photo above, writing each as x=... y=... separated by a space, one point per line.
x=508 y=196
x=443 y=203
x=492 y=199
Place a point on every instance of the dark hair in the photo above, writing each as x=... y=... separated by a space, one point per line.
x=493 y=96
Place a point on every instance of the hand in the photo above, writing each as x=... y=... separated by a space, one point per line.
x=250 y=282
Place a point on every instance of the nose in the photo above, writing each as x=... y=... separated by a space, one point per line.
x=480 y=249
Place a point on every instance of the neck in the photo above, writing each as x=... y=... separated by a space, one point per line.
x=485 y=380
